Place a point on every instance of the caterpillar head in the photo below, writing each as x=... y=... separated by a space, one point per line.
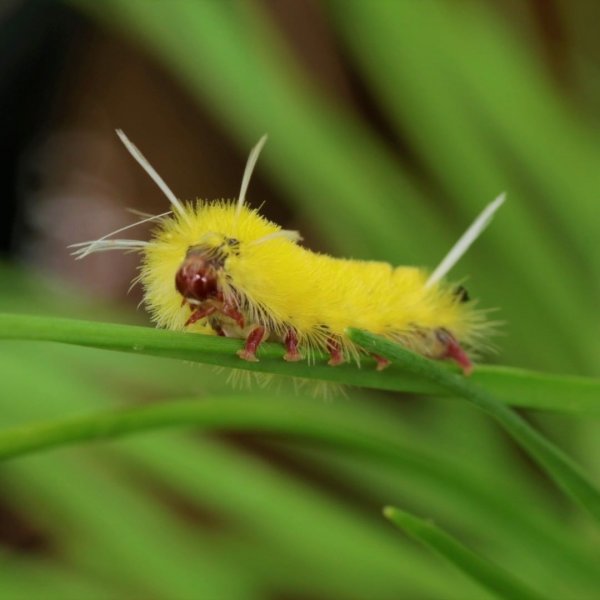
x=197 y=277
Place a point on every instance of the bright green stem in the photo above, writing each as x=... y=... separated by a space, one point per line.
x=489 y=575
x=357 y=432
x=559 y=466
x=514 y=386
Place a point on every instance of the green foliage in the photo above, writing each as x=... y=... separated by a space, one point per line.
x=558 y=466
x=568 y=394
x=482 y=571
x=281 y=493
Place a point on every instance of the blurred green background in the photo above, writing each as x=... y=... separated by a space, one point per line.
x=391 y=124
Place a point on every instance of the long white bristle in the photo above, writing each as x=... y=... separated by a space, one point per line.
x=465 y=241
x=140 y=213
x=250 y=164
x=91 y=244
x=139 y=157
x=86 y=248
x=288 y=234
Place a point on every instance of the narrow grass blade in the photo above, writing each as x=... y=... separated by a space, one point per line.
x=544 y=392
x=484 y=572
x=303 y=421
x=558 y=466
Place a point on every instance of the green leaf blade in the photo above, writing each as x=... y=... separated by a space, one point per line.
x=559 y=467
x=484 y=572
x=576 y=395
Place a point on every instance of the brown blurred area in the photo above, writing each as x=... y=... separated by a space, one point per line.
x=77 y=83
x=76 y=181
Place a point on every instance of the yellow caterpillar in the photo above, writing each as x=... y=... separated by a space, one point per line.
x=221 y=268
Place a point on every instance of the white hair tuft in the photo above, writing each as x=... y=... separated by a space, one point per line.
x=90 y=245
x=86 y=248
x=465 y=241
x=250 y=164
x=288 y=234
x=139 y=157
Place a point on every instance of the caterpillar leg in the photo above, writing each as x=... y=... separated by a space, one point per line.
x=335 y=352
x=291 y=346
x=454 y=351
x=200 y=313
x=224 y=308
x=233 y=313
x=255 y=337
x=382 y=363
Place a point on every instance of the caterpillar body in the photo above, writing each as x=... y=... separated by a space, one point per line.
x=222 y=268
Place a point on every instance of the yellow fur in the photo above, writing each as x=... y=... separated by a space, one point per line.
x=280 y=285
x=254 y=280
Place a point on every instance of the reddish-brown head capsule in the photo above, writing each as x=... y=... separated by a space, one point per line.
x=196 y=278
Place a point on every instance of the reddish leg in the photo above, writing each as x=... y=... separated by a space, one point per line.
x=454 y=351
x=233 y=313
x=200 y=313
x=291 y=345
x=382 y=363
x=218 y=329
x=255 y=337
x=335 y=352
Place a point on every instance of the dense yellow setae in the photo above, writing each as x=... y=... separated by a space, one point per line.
x=220 y=267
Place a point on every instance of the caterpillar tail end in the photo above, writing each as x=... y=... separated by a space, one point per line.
x=459 y=356
x=454 y=351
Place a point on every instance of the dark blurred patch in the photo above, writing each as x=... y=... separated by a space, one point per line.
x=191 y=512
x=282 y=458
x=365 y=98
x=19 y=534
x=547 y=18
x=36 y=39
